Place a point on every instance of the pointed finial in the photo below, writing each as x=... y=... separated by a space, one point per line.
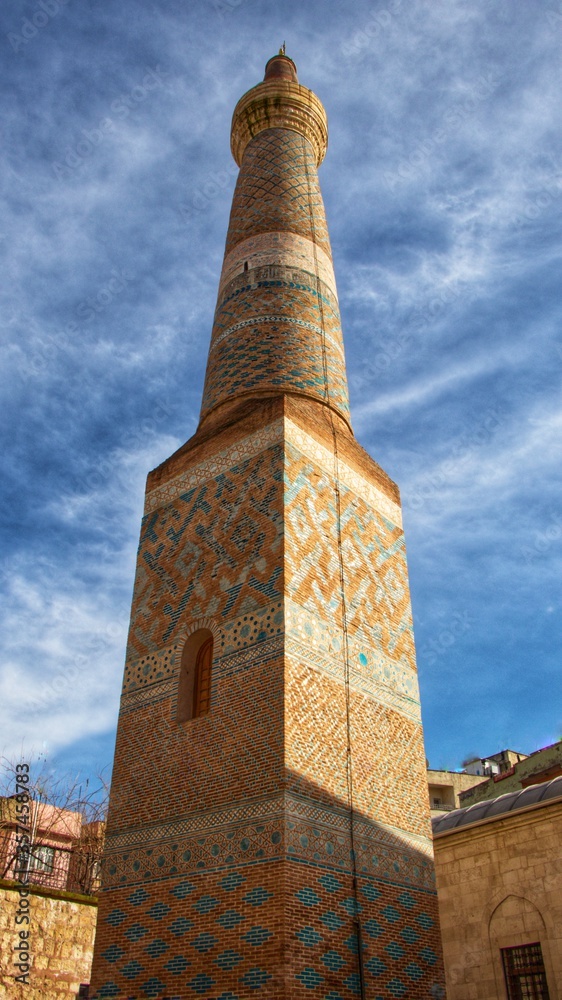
x=282 y=51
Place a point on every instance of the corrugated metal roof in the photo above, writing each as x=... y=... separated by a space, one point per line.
x=497 y=807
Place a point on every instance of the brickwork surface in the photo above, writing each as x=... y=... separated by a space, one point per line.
x=277 y=325
x=500 y=886
x=61 y=941
x=231 y=839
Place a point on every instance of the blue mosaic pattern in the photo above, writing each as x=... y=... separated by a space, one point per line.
x=256 y=936
x=255 y=978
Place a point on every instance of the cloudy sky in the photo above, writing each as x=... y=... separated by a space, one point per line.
x=443 y=190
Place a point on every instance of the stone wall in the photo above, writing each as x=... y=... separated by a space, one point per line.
x=500 y=886
x=61 y=932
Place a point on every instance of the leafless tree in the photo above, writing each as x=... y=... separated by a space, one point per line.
x=51 y=826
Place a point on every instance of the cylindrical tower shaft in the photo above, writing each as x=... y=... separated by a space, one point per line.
x=277 y=326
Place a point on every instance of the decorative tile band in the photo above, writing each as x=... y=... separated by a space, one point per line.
x=284 y=248
x=221 y=461
x=292 y=321
x=265 y=830
x=324 y=457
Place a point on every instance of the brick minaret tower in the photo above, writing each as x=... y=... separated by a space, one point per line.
x=269 y=830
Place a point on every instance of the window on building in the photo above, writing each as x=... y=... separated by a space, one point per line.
x=525 y=977
x=42 y=858
x=84 y=991
x=194 y=689
x=202 y=686
x=436 y=803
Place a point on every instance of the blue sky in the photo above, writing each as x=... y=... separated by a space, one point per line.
x=443 y=190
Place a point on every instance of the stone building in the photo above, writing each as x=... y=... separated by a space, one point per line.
x=513 y=774
x=499 y=879
x=269 y=829
x=54 y=888
x=445 y=787
x=496 y=763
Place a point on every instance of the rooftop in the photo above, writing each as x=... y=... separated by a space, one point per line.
x=510 y=802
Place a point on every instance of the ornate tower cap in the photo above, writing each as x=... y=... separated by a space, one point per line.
x=280 y=67
x=279 y=102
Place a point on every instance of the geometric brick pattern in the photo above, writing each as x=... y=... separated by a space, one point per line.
x=277 y=327
x=236 y=864
x=278 y=190
x=277 y=655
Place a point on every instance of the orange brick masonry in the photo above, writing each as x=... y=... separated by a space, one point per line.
x=279 y=845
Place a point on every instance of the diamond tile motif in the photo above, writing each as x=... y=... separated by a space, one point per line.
x=330 y=883
x=113 y=953
x=428 y=956
x=409 y=935
x=138 y=896
x=158 y=911
x=397 y=988
x=228 y=959
x=177 y=965
x=135 y=932
x=255 y=978
x=307 y=897
x=413 y=971
x=201 y=983
x=258 y=896
x=204 y=942
x=132 y=969
x=232 y=881
x=206 y=904
x=375 y=966
x=333 y=960
x=230 y=918
x=331 y=920
x=395 y=950
x=156 y=948
x=180 y=926
x=182 y=890
x=309 y=978
x=256 y=935
x=308 y=936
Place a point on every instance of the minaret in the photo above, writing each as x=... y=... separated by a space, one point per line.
x=269 y=829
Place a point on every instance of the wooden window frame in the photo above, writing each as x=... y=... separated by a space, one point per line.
x=524 y=972
x=194 y=684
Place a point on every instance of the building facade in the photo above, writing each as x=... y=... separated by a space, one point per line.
x=513 y=775
x=48 y=892
x=499 y=879
x=445 y=787
x=269 y=829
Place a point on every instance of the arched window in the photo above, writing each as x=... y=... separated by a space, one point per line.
x=194 y=688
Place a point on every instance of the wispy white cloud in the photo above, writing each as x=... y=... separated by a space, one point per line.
x=443 y=188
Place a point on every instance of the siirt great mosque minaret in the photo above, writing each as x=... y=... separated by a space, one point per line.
x=269 y=831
